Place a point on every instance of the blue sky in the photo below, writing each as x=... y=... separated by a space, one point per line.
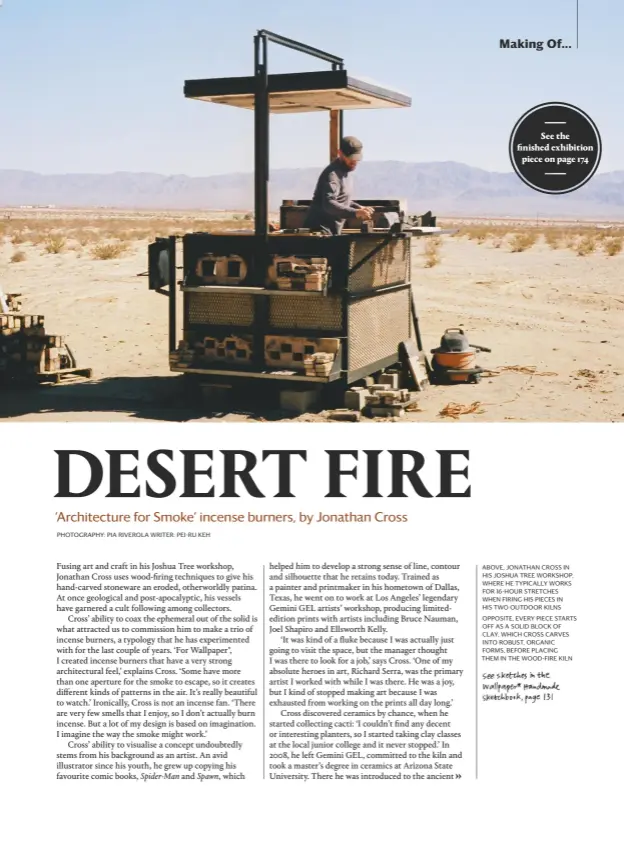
x=96 y=85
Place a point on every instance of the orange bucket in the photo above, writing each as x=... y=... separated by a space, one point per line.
x=456 y=360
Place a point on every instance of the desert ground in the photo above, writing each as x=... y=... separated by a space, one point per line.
x=546 y=297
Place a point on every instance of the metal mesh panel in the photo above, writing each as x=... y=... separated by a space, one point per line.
x=302 y=312
x=219 y=308
x=376 y=327
x=389 y=265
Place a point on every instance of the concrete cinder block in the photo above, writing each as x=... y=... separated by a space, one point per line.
x=355 y=398
x=299 y=401
x=390 y=379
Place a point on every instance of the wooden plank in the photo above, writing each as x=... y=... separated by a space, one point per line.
x=57 y=375
x=415 y=363
x=334 y=133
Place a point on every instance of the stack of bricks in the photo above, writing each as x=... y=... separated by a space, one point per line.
x=383 y=400
x=319 y=365
x=183 y=356
x=229 y=349
x=25 y=346
x=384 y=397
x=301 y=353
x=12 y=348
x=306 y=274
x=47 y=353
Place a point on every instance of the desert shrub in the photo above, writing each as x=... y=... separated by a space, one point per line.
x=553 y=237
x=54 y=243
x=586 y=245
x=19 y=238
x=477 y=233
x=432 y=252
x=108 y=250
x=522 y=241
x=18 y=257
x=612 y=245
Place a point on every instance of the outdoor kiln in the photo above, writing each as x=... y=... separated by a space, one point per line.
x=291 y=305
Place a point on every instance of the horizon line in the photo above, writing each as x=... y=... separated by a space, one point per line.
x=250 y=172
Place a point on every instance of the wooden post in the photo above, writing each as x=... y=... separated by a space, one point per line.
x=334 y=133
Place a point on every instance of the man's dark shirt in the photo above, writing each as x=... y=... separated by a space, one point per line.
x=332 y=202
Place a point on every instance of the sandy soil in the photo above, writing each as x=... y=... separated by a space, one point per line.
x=554 y=322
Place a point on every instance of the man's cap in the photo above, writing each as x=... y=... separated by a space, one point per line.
x=351 y=147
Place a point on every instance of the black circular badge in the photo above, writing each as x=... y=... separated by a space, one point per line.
x=555 y=148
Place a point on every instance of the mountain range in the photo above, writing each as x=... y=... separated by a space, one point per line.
x=447 y=188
